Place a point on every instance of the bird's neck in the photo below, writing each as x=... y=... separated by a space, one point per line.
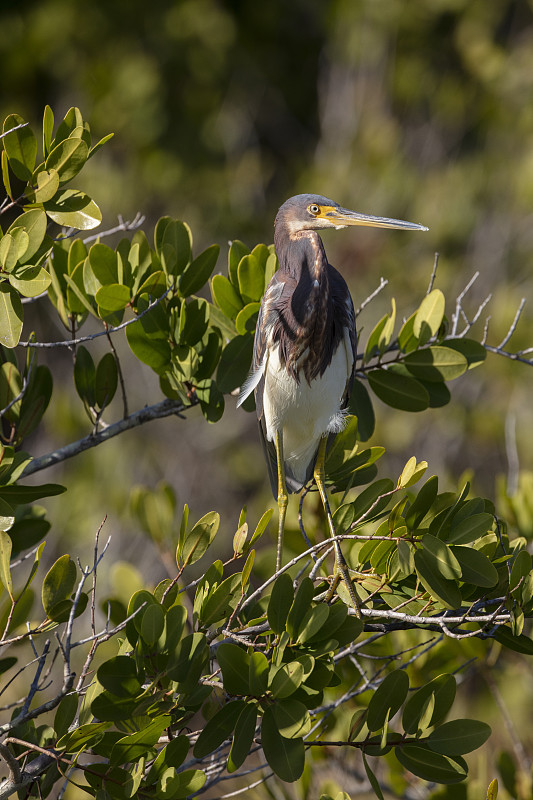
x=301 y=254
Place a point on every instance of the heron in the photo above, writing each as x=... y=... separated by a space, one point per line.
x=304 y=356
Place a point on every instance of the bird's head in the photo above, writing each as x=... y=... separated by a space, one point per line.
x=315 y=212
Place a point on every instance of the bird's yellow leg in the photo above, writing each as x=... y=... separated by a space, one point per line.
x=341 y=567
x=283 y=497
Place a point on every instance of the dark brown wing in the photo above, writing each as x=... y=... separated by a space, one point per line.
x=344 y=318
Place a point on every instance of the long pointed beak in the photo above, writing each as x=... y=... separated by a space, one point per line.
x=344 y=217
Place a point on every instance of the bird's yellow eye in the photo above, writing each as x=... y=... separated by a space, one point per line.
x=313 y=209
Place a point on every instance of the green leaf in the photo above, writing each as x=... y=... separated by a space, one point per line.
x=179 y=785
x=119 y=676
x=226 y=296
x=196 y=275
x=172 y=755
x=106 y=380
x=19 y=494
x=113 y=296
x=234 y=363
x=153 y=623
x=476 y=568
x=35 y=401
x=34 y=223
x=235 y=665
x=372 y=778
x=492 y=791
x=236 y=251
x=258 y=674
x=199 y=538
x=406 y=338
x=366 y=499
x=243 y=737
x=388 y=329
x=85 y=376
x=194 y=321
x=292 y=718
x=314 y=620
x=251 y=279
x=67 y=158
x=387 y=699
x=218 y=728
x=520 y=644
x=74 y=209
x=9 y=252
x=211 y=400
x=59 y=582
x=473 y=351
x=132 y=747
x=442 y=688
x=429 y=316
x=30 y=281
x=422 y=503
x=372 y=345
x=246 y=319
x=222 y=601
x=446 y=591
x=287 y=679
x=190 y=656
x=286 y=757
x=11 y=316
x=431 y=766
x=104 y=264
x=300 y=606
x=247 y=570
x=398 y=391
x=151 y=350
x=361 y=405
x=20 y=146
x=281 y=600
x=5 y=558
x=459 y=736
x=442 y=556
x=48 y=129
x=261 y=526
x=65 y=714
x=173 y=238
x=469 y=529
x=436 y=364
x=47 y=186
x=83 y=737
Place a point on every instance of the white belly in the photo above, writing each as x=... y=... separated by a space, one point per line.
x=302 y=412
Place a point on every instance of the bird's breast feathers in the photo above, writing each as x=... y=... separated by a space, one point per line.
x=309 y=409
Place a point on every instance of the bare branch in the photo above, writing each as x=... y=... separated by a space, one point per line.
x=458 y=302
x=433 y=274
x=12 y=130
x=90 y=337
x=127 y=225
x=165 y=408
x=513 y=325
x=12 y=763
x=382 y=283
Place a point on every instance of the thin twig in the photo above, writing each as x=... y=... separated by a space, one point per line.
x=513 y=325
x=81 y=339
x=12 y=130
x=382 y=283
x=433 y=274
x=160 y=410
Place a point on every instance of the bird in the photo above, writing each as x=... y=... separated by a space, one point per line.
x=304 y=355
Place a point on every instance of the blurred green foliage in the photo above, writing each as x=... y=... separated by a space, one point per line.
x=222 y=110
